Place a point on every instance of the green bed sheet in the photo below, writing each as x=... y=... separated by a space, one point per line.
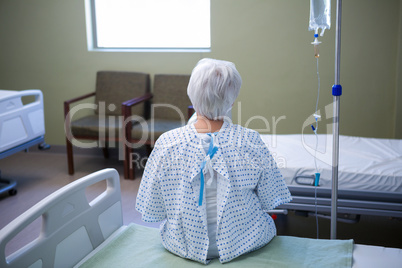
x=140 y=246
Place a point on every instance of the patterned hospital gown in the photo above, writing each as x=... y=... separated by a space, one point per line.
x=249 y=182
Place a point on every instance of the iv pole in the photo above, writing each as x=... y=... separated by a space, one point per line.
x=336 y=92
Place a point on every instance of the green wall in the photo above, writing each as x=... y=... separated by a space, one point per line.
x=43 y=45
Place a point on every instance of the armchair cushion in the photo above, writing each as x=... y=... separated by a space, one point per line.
x=91 y=126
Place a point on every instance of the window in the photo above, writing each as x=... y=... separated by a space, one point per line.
x=148 y=24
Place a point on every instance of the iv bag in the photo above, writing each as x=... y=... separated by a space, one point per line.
x=320 y=15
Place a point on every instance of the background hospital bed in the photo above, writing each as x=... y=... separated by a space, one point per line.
x=22 y=125
x=73 y=227
x=369 y=178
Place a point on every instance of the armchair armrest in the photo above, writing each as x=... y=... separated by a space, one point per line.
x=68 y=102
x=126 y=106
x=137 y=100
x=126 y=112
x=80 y=98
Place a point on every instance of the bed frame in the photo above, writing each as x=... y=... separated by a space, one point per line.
x=74 y=228
x=357 y=194
x=22 y=126
x=349 y=202
x=69 y=224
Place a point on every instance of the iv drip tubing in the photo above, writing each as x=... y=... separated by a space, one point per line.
x=318 y=93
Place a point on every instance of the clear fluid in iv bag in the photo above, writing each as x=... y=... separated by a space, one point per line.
x=320 y=15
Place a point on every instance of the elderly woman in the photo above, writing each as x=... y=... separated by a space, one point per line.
x=211 y=182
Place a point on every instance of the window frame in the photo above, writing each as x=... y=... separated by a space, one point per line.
x=92 y=43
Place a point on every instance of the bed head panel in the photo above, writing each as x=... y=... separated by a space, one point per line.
x=71 y=227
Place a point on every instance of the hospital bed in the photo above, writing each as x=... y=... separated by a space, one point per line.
x=369 y=176
x=22 y=125
x=84 y=232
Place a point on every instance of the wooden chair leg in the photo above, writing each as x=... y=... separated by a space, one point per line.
x=132 y=172
x=149 y=149
x=129 y=171
x=125 y=166
x=131 y=164
x=105 y=152
x=105 y=148
x=70 y=160
x=126 y=163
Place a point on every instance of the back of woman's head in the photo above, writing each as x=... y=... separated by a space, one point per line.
x=214 y=86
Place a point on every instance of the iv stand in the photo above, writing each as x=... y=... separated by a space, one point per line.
x=336 y=92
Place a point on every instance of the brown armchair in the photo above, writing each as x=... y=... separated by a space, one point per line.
x=169 y=110
x=103 y=126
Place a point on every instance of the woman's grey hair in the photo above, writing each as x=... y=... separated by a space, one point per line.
x=213 y=88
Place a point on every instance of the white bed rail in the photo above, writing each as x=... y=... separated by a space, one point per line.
x=20 y=122
x=71 y=226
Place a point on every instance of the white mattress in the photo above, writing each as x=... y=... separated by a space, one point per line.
x=364 y=163
x=364 y=256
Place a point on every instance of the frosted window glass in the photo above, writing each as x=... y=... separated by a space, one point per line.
x=152 y=23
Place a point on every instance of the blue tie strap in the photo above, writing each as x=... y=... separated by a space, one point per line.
x=211 y=152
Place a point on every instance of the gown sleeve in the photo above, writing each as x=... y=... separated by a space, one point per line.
x=271 y=188
x=150 y=199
